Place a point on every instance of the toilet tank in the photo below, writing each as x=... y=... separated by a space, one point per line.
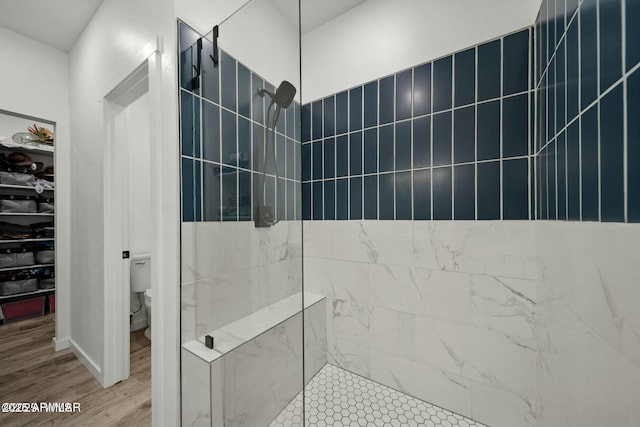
x=140 y=273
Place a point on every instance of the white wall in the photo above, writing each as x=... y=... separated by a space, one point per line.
x=380 y=37
x=34 y=80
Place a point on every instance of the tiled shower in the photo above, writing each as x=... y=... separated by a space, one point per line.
x=456 y=236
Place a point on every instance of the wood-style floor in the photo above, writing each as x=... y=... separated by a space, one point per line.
x=30 y=371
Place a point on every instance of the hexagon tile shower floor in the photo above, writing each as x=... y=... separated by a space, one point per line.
x=336 y=397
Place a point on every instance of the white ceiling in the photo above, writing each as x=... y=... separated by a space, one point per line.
x=314 y=12
x=57 y=23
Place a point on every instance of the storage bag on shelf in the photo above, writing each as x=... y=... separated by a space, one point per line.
x=15 y=231
x=18 y=204
x=17 y=178
x=47 y=256
x=16 y=257
x=43 y=230
x=46 y=277
x=45 y=205
x=13 y=287
x=24 y=308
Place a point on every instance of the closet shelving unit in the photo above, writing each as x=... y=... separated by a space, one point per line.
x=14 y=122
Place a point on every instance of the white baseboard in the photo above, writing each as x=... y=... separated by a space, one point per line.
x=60 y=344
x=86 y=360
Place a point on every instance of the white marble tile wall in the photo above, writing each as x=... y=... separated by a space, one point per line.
x=441 y=310
x=232 y=269
x=588 y=324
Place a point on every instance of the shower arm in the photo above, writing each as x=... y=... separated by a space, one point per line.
x=270 y=149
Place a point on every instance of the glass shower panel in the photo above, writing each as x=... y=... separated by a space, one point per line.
x=242 y=301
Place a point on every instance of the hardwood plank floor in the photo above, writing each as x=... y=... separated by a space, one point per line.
x=30 y=371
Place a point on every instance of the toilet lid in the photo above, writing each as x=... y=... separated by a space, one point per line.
x=147 y=293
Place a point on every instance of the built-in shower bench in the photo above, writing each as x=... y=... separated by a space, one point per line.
x=256 y=366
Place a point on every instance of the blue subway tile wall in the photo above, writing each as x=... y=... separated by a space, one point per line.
x=586 y=80
x=222 y=136
x=448 y=139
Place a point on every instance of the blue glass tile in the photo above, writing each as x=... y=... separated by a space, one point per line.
x=329 y=158
x=465 y=78
x=515 y=126
x=188 y=39
x=386 y=148
x=270 y=194
x=542 y=186
x=371 y=151
x=551 y=96
x=291 y=157
x=280 y=124
x=422 y=142
x=342 y=199
x=297 y=153
x=355 y=198
x=371 y=197
x=316 y=158
x=258 y=150
x=561 y=177
x=404 y=82
x=422 y=90
x=190 y=124
x=210 y=131
x=515 y=195
x=442 y=77
x=403 y=146
x=442 y=182
x=632 y=11
x=281 y=156
x=297 y=188
x=244 y=91
x=281 y=202
x=489 y=131
x=291 y=206
x=516 y=63
x=318 y=209
x=551 y=180
x=244 y=143
x=589 y=140
x=306 y=122
x=532 y=186
x=188 y=191
x=633 y=147
x=329 y=116
x=560 y=88
x=342 y=156
x=559 y=19
x=257 y=111
x=244 y=196
x=464 y=178
x=355 y=108
x=297 y=134
x=228 y=80
x=612 y=155
x=551 y=38
x=229 y=194
x=403 y=196
x=572 y=5
x=211 y=191
x=316 y=119
x=355 y=153
x=229 y=137
x=489 y=191
x=210 y=74
x=589 y=51
x=386 y=100
x=464 y=144
x=489 y=70
x=442 y=139
x=543 y=39
x=371 y=104
x=386 y=196
x=611 y=40
x=573 y=72
x=290 y=122
x=422 y=194
x=342 y=113
x=306 y=201
x=329 y=199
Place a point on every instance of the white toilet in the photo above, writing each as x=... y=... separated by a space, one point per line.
x=141 y=282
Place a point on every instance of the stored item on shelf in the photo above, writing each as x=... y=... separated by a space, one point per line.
x=18 y=204
x=28 y=142
x=52 y=303
x=47 y=175
x=14 y=287
x=24 y=308
x=15 y=231
x=46 y=205
x=44 y=135
x=47 y=283
x=42 y=230
x=17 y=178
x=16 y=257
x=45 y=257
x=42 y=184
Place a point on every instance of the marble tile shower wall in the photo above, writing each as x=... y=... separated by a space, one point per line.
x=449 y=139
x=230 y=268
x=588 y=87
